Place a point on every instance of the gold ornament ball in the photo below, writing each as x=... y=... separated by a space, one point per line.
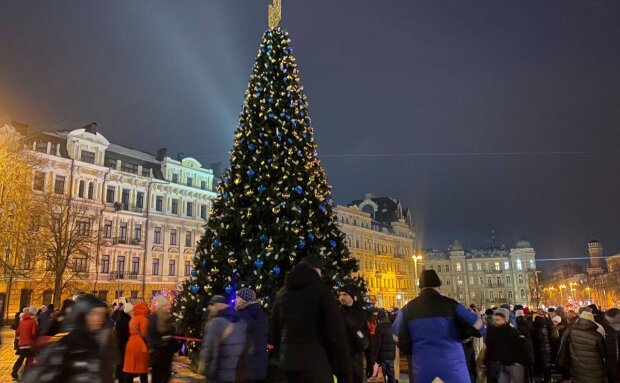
x=249 y=193
x=237 y=180
x=276 y=210
x=286 y=195
x=215 y=270
x=232 y=261
x=259 y=287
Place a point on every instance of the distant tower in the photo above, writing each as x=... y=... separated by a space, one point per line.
x=595 y=248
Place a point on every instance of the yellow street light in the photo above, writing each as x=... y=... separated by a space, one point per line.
x=561 y=296
x=415 y=258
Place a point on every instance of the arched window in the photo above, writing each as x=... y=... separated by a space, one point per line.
x=520 y=278
x=91 y=190
x=81 y=189
x=458 y=266
x=522 y=294
x=47 y=297
x=439 y=268
x=509 y=294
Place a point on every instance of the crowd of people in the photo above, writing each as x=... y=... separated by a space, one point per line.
x=312 y=337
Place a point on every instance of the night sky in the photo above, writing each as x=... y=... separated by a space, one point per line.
x=477 y=115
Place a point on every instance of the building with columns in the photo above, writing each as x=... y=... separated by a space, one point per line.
x=487 y=276
x=149 y=212
x=379 y=233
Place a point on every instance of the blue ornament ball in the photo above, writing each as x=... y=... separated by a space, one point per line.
x=276 y=270
x=301 y=244
x=333 y=244
x=323 y=209
x=228 y=289
x=258 y=264
x=261 y=189
x=298 y=189
x=251 y=147
x=216 y=244
x=262 y=239
x=311 y=237
x=194 y=273
x=195 y=289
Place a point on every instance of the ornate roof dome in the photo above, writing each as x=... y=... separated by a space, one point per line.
x=456 y=246
x=523 y=244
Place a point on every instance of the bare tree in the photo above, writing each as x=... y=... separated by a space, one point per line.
x=66 y=242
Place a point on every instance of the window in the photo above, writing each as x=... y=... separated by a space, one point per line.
x=458 y=266
x=122 y=236
x=188 y=268
x=471 y=280
x=134 y=294
x=470 y=267
x=129 y=168
x=203 y=185
x=447 y=268
x=137 y=233
x=39 y=181
x=509 y=294
x=448 y=281
x=41 y=147
x=175 y=178
x=190 y=209
x=520 y=278
x=172 y=267
x=519 y=266
x=125 y=198
x=188 y=238
x=107 y=229
x=439 y=268
x=489 y=283
x=46 y=298
x=499 y=281
x=496 y=266
x=155 y=266
x=87 y=156
x=157 y=238
x=175 y=206
x=140 y=200
x=118 y=294
x=508 y=280
x=120 y=263
x=190 y=181
x=522 y=294
x=135 y=265
x=506 y=266
x=103 y=295
x=479 y=266
x=59 y=185
x=109 y=196
x=80 y=263
x=159 y=203
x=173 y=236
x=83 y=227
x=91 y=193
x=480 y=280
x=459 y=280
x=105 y=264
x=203 y=211
x=110 y=163
x=81 y=189
x=532 y=264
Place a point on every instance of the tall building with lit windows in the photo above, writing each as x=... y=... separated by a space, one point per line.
x=379 y=233
x=486 y=276
x=149 y=211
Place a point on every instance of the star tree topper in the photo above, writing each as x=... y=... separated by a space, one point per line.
x=274 y=13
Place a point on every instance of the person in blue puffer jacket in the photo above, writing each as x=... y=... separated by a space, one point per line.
x=432 y=329
x=250 y=311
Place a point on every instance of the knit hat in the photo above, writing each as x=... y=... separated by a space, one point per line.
x=246 y=294
x=505 y=306
x=518 y=307
x=502 y=312
x=350 y=290
x=559 y=309
x=587 y=315
x=429 y=278
x=313 y=261
x=128 y=307
x=488 y=312
x=526 y=311
x=556 y=320
x=32 y=310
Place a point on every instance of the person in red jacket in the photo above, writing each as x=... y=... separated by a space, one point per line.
x=26 y=333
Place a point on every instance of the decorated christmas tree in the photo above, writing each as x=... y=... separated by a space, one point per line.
x=274 y=204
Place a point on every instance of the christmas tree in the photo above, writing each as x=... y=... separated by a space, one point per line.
x=274 y=204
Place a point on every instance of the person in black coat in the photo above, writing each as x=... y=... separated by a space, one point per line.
x=505 y=350
x=160 y=341
x=583 y=351
x=386 y=346
x=249 y=310
x=358 y=333
x=525 y=328
x=58 y=320
x=75 y=356
x=121 y=320
x=307 y=329
x=611 y=345
x=542 y=349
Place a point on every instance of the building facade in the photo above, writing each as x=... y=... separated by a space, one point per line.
x=149 y=211
x=379 y=234
x=487 y=276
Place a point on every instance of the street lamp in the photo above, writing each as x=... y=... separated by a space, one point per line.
x=561 y=296
x=415 y=258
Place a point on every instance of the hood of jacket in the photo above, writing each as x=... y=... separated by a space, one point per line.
x=585 y=325
x=141 y=309
x=615 y=322
x=228 y=313
x=301 y=276
x=254 y=310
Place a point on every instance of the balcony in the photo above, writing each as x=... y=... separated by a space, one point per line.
x=115 y=275
x=126 y=241
x=493 y=271
x=122 y=206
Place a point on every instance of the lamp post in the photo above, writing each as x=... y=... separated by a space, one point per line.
x=589 y=295
x=415 y=258
x=561 y=296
